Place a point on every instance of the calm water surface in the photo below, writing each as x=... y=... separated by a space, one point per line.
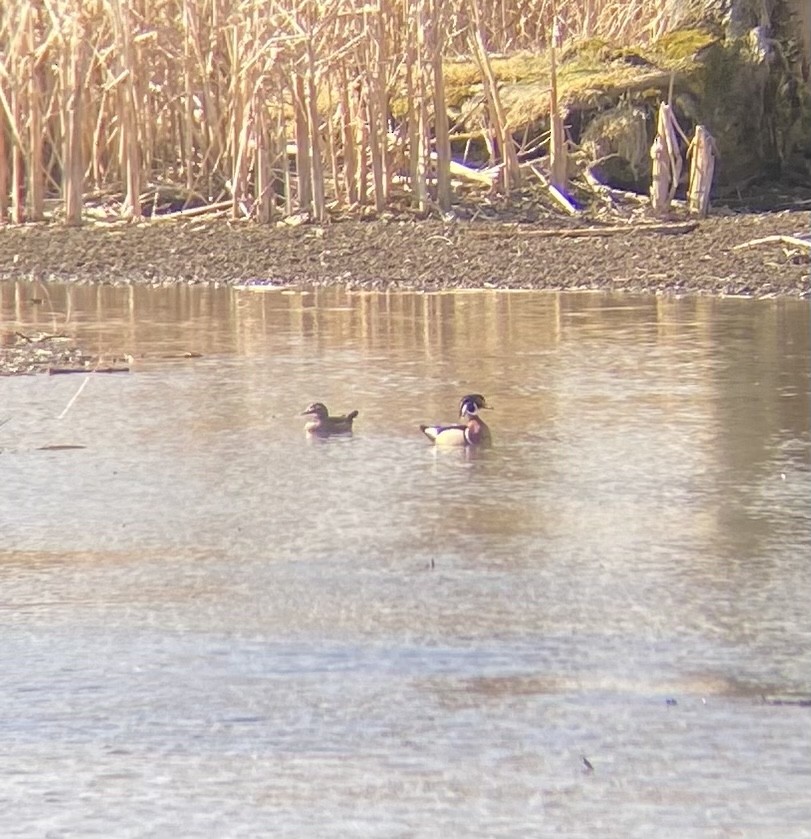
x=214 y=627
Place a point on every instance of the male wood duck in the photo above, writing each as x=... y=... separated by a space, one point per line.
x=323 y=424
x=473 y=431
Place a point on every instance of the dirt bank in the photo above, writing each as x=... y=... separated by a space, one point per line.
x=423 y=255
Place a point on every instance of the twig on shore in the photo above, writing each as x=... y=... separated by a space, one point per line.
x=582 y=232
x=556 y=193
x=794 y=241
x=208 y=209
x=64 y=371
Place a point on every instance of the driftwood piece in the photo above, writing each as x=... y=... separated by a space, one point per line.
x=610 y=194
x=485 y=177
x=583 y=232
x=703 y=152
x=556 y=193
x=40 y=338
x=793 y=241
x=666 y=160
x=62 y=371
x=218 y=208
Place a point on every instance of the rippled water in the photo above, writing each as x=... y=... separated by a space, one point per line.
x=213 y=626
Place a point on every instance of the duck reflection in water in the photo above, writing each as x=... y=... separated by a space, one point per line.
x=323 y=425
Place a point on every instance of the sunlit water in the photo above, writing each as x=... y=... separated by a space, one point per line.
x=214 y=627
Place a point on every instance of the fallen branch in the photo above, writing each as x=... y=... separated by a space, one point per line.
x=582 y=232
x=63 y=371
x=212 y=209
x=41 y=338
x=611 y=194
x=486 y=177
x=794 y=241
x=556 y=193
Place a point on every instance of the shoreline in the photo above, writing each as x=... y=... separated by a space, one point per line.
x=677 y=258
x=425 y=255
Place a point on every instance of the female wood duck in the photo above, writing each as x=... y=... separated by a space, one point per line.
x=323 y=424
x=472 y=432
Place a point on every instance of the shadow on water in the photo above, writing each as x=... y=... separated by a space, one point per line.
x=286 y=626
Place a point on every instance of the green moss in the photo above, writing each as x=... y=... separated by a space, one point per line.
x=586 y=51
x=679 y=48
x=594 y=73
x=520 y=67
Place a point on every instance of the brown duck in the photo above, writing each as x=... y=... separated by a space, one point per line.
x=322 y=424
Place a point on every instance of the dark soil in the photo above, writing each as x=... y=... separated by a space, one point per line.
x=402 y=253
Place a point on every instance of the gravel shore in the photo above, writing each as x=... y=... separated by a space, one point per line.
x=422 y=255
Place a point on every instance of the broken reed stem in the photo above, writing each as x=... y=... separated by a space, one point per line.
x=376 y=104
x=36 y=172
x=442 y=136
x=702 y=152
x=557 y=143
x=3 y=168
x=418 y=148
x=72 y=184
x=666 y=160
x=129 y=152
x=511 y=171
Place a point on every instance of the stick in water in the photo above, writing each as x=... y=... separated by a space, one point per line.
x=74 y=397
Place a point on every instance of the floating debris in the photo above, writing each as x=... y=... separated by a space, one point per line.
x=22 y=354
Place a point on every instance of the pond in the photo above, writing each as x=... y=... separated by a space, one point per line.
x=215 y=626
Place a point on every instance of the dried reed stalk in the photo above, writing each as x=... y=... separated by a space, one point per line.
x=441 y=131
x=72 y=163
x=376 y=100
x=124 y=98
x=129 y=141
x=417 y=93
x=17 y=159
x=702 y=151
x=346 y=137
x=557 y=143
x=511 y=171
x=303 y=141
x=319 y=209
x=666 y=159
x=35 y=157
x=3 y=170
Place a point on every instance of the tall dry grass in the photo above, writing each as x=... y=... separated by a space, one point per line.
x=261 y=108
